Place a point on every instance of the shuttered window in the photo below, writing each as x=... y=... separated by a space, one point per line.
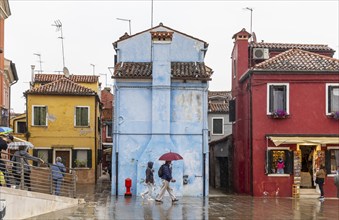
x=81 y=116
x=39 y=115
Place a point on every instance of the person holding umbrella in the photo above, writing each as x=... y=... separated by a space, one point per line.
x=166 y=179
x=25 y=156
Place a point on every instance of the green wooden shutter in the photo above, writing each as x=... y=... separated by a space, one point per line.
x=84 y=117
x=285 y=98
x=74 y=157
x=269 y=159
x=232 y=110
x=43 y=115
x=329 y=99
x=35 y=154
x=270 y=101
x=50 y=156
x=89 y=158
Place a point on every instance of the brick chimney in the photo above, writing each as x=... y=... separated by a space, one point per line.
x=240 y=56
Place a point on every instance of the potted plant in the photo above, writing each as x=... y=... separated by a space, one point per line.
x=279 y=113
x=80 y=163
x=335 y=115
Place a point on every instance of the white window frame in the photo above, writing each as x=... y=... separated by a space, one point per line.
x=222 y=129
x=326 y=98
x=88 y=116
x=276 y=174
x=81 y=149
x=108 y=135
x=287 y=97
x=332 y=148
x=45 y=106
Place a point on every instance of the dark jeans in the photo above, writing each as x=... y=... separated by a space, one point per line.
x=321 y=186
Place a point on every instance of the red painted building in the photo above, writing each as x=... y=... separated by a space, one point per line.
x=106 y=127
x=285 y=101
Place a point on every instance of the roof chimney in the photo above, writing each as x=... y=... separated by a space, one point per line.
x=32 y=75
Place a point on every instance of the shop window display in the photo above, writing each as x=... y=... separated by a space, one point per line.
x=332 y=161
x=272 y=159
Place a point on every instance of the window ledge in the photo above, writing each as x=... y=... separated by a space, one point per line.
x=81 y=168
x=278 y=175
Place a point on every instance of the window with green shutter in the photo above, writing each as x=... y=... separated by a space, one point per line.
x=81 y=116
x=39 y=115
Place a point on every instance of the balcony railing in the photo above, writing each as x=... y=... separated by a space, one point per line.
x=39 y=177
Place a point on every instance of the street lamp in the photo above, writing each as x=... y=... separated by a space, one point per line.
x=129 y=22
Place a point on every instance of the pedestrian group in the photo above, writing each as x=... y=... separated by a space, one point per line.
x=165 y=173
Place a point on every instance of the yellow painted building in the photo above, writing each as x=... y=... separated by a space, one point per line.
x=63 y=116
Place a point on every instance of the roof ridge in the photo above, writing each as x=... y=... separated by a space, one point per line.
x=53 y=85
x=287 y=59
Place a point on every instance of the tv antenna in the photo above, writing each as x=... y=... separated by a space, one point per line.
x=93 y=65
x=251 y=10
x=58 y=26
x=129 y=23
x=40 y=62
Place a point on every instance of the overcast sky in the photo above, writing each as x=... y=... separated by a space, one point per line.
x=90 y=28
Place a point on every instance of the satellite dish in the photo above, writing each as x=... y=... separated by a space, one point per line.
x=66 y=72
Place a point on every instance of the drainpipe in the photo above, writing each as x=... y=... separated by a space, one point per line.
x=204 y=145
x=251 y=133
x=95 y=139
x=116 y=135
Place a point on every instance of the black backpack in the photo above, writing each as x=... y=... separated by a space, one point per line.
x=160 y=171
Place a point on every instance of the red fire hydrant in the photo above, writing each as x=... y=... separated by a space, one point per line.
x=128 y=185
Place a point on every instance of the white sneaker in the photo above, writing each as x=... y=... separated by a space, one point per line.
x=150 y=199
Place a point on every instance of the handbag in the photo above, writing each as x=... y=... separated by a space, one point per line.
x=317 y=180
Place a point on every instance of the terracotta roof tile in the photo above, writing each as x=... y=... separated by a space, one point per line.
x=218 y=101
x=190 y=70
x=62 y=86
x=47 y=78
x=133 y=70
x=286 y=46
x=299 y=60
x=179 y=70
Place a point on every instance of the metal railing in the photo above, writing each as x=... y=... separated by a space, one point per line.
x=19 y=175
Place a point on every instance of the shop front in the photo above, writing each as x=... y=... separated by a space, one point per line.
x=301 y=158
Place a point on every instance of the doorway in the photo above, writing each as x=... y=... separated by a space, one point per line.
x=307 y=164
x=65 y=156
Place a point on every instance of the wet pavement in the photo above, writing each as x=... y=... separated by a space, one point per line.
x=101 y=205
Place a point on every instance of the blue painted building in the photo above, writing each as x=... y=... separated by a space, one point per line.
x=161 y=89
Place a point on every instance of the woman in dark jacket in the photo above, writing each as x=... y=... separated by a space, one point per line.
x=149 y=181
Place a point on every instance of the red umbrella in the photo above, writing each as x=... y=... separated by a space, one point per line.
x=170 y=156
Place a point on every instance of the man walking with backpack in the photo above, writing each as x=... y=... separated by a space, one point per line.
x=165 y=173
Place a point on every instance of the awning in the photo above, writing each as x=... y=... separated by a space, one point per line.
x=303 y=140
